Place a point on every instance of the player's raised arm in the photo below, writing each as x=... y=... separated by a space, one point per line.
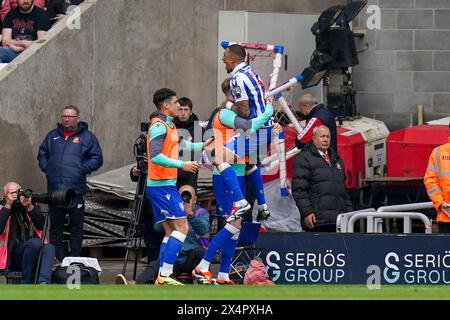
x=232 y=120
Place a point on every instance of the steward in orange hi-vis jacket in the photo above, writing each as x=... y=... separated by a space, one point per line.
x=437 y=182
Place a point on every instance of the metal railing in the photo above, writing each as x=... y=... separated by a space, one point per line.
x=342 y=219
x=374 y=219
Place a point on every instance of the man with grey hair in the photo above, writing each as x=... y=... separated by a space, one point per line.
x=316 y=114
x=318 y=184
x=21 y=226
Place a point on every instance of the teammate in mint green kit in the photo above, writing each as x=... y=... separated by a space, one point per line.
x=163 y=165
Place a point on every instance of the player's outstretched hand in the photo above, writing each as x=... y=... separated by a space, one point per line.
x=277 y=128
x=209 y=144
x=445 y=207
x=190 y=166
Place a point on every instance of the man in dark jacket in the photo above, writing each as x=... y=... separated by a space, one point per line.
x=67 y=154
x=21 y=225
x=318 y=184
x=188 y=128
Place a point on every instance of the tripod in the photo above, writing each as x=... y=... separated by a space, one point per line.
x=44 y=235
x=132 y=238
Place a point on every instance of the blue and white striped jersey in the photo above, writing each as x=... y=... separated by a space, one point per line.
x=246 y=84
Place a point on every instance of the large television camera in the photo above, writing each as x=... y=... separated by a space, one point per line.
x=335 y=55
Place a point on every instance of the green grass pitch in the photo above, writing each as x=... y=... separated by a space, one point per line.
x=195 y=292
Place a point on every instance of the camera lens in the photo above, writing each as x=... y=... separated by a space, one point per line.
x=27 y=193
x=186 y=196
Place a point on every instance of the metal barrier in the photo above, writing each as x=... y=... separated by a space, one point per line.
x=345 y=222
x=342 y=219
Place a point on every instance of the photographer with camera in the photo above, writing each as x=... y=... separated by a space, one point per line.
x=21 y=225
x=67 y=155
x=192 y=249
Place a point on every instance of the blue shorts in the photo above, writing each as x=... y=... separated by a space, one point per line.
x=254 y=146
x=224 y=203
x=166 y=203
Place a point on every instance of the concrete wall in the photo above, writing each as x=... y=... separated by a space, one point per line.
x=407 y=63
x=109 y=68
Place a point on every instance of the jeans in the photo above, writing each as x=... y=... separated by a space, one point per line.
x=7 y=55
x=25 y=258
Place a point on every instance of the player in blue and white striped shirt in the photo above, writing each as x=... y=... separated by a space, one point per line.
x=248 y=93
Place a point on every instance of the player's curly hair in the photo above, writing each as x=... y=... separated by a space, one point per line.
x=162 y=95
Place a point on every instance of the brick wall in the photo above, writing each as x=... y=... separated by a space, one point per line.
x=407 y=63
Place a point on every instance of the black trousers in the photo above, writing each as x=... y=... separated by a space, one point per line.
x=76 y=224
x=444 y=227
x=152 y=238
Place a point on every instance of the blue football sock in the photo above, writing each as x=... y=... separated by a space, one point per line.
x=172 y=249
x=256 y=182
x=231 y=183
x=162 y=250
x=218 y=243
x=227 y=255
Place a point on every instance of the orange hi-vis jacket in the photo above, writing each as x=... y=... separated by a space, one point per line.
x=169 y=149
x=437 y=179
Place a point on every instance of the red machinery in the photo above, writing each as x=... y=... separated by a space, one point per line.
x=408 y=151
x=372 y=154
x=351 y=150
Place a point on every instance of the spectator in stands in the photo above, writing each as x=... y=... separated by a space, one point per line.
x=187 y=122
x=316 y=114
x=21 y=225
x=192 y=249
x=8 y=5
x=56 y=10
x=21 y=27
x=67 y=154
x=318 y=184
x=437 y=182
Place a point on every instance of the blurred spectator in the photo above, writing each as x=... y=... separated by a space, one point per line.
x=187 y=120
x=56 y=9
x=21 y=27
x=318 y=184
x=8 y=5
